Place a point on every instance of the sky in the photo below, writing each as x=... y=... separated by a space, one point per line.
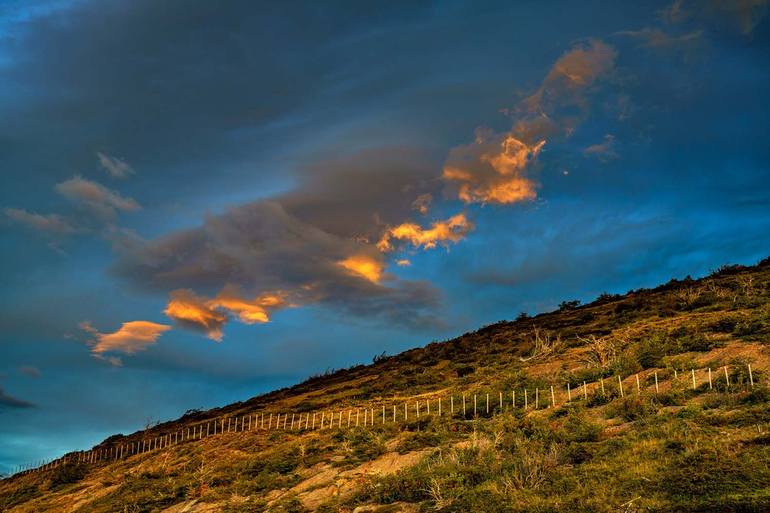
x=203 y=201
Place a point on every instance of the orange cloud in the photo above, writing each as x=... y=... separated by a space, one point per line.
x=132 y=336
x=492 y=169
x=248 y=312
x=451 y=230
x=364 y=266
x=403 y=262
x=570 y=76
x=188 y=309
x=210 y=315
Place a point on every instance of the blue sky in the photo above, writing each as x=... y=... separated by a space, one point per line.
x=204 y=202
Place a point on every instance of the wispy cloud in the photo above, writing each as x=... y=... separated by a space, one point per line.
x=604 y=151
x=49 y=223
x=28 y=370
x=497 y=167
x=8 y=401
x=96 y=198
x=131 y=337
x=114 y=166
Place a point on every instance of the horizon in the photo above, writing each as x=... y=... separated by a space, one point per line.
x=201 y=205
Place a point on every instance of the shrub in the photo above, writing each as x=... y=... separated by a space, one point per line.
x=68 y=473
x=629 y=408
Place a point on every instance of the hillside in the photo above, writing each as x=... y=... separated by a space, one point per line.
x=641 y=417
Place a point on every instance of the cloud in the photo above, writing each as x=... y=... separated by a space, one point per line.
x=358 y=195
x=744 y=14
x=114 y=166
x=675 y=13
x=50 y=223
x=95 y=197
x=422 y=203
x=741 y=15
x=276 y=260
x=453 y=229
x=365 y=266
x=496 y=167
x=28 y=370
x=604 y=151
x=192 y=311
x=658 y=39
x=7 y=401
x=249 y=311
x=561 y=101
x=403 y=262
x=209 y=316
x=492 y=169
x=131 y=337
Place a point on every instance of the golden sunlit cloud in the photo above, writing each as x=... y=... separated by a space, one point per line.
x=451 y=230
x=403 y=262
x=132 y=336
x=210 y=315
x=248 y=312
x=188 y=309
x=570 y=77
x=364 y=266
x=492 y=169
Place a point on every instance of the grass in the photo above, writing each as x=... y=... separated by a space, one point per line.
x=679 y=450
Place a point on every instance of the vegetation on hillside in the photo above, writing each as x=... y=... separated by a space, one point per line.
x=683 y=449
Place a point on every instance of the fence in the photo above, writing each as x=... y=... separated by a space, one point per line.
x=464 y=404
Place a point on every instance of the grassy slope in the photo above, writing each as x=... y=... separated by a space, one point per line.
x=683 y=450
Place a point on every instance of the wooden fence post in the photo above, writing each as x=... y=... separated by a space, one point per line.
x=569 y=393
x=553 y=398
x=537 y=398
x=692 y=372
x=463 y=405
x=292 y=421
x=727 y=377
x=474 y=406
x=751 y=376
x=314 y=414
x=452 y=404
x=602 y=381
x=656 y=382
x=710 y=385
x=638 y=387
x=585 y=391
x=383 y=414
x=513 y=400
x=417 y=408
x=525 y=399
x=620 y=385
x=394 y=413
x=487 y=403
x=501 y=401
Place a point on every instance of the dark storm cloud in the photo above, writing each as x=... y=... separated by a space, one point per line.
x=7 y=401
x=360 y=194
x=263 y=249
x=179 y=85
